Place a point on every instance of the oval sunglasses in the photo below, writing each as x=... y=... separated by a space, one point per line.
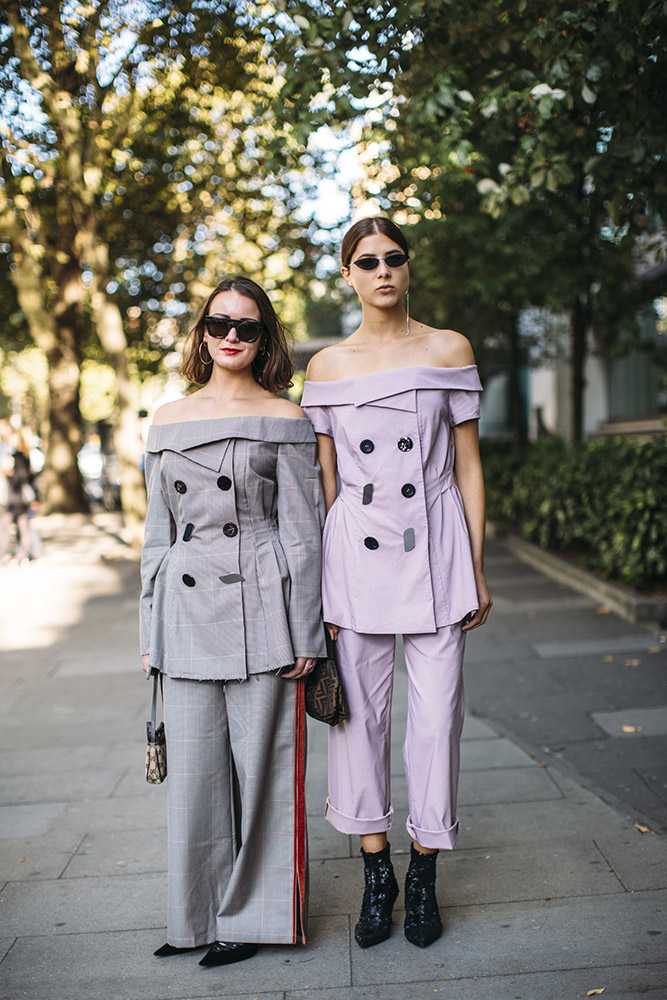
x=394 y=259
x=247 y=330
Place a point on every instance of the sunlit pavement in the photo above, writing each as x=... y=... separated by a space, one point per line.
x=558 y=885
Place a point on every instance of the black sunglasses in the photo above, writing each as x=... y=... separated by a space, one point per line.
x=395 y=259
x=247 y=330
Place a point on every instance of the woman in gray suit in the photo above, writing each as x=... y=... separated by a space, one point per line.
x=231 y=616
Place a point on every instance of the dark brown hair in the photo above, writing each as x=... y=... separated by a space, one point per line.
x=365 y=227
x=272 y=367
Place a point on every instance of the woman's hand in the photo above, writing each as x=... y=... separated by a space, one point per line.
x=332 y=630
x=485 y=603
x=145 y=666
x=302 y=667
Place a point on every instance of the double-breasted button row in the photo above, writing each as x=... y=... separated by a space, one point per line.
x=403 y=444
x=223 y=483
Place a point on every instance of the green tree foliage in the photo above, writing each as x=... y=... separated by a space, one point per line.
x=548 y=117
x=134 y=171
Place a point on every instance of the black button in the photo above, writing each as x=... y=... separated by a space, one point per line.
x=371 y=543
x=408 y=490
x=230 y=530
x=367 y=496
x=367 y=446
x=187 y=534
x=180 y=486
x=188 y=580
x=404 y=444
x=224 y=483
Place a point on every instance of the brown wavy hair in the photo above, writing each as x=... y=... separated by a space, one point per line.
x=272 y=368
x=366 y=227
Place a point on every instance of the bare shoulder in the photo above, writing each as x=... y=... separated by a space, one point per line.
x=453 y=350
x=171 y=413
x=279 y=407
x=327 y=365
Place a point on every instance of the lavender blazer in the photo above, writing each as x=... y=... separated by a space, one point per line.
x=396 y=552
x=231 y=558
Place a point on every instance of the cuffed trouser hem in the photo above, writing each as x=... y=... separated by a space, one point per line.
x=351 y=824
x=443 y=840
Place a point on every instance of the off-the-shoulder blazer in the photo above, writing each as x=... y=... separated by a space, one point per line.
x=396 y=551
x=231 y=557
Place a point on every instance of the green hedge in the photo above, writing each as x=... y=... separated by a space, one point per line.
x=603 y=502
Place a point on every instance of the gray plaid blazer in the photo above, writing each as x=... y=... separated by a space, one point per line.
x=231 y=559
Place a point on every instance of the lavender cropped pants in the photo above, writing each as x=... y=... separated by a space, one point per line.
x=359 y=749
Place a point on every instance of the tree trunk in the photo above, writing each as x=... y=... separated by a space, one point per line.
x=126 y=423
x=580 y=322
x=55 y=328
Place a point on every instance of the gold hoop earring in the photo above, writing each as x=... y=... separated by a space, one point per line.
x=203 y=343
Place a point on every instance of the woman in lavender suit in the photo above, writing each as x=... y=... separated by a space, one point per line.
x=395 y=408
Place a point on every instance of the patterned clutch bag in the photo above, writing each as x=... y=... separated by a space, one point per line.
x=156 y=744
x=325 y=697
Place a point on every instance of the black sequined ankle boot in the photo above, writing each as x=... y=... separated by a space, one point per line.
x=422 y=917
x=379 y=898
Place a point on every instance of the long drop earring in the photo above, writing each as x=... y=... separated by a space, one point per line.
x=407 y=313
x=201 y=357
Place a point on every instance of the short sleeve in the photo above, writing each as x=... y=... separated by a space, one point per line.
x=320 y=418
x=463 y=405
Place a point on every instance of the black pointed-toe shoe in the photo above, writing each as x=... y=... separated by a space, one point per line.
x=379 y=897
x=169 y=949
x=422 y=917
x=224 y=953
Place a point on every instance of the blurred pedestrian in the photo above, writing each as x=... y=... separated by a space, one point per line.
x=231 y=615
x=21 y=494
x=395 y=407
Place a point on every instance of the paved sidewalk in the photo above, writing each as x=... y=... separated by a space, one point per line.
x=551 y=892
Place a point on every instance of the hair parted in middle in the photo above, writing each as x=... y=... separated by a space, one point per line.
x=272 y=367
x=366 y=227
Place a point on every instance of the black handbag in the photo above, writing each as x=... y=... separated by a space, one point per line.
x=156 y=743
x=325 y=697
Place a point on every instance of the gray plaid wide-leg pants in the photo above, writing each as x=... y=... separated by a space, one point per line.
x=237 y=825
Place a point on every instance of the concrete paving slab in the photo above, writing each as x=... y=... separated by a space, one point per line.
x=538 y=606
x=633 y=722
x=489 y=755
x=637 y=642
x=76 y=732
x=120 y=853
x=18 y=762
x=85 y=966
x=30 y=820
x=625 y=982
x=639 y=860
x=132 y=813
x=525 y=784
x=475 y=728
x=75 y=906
x=499 y=874
x=5 y=945
x=96 y=783
x=526 y=823
x=36 y=858
x=514 y=938
x=326 y=842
